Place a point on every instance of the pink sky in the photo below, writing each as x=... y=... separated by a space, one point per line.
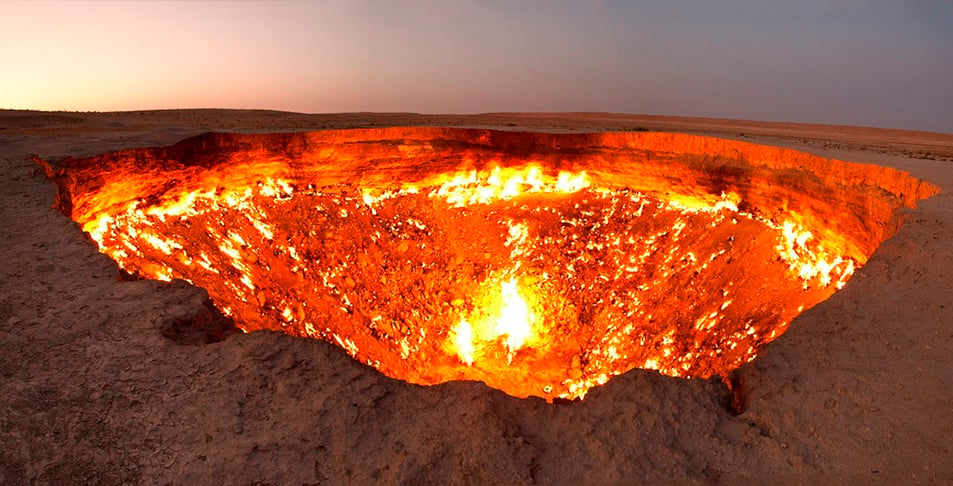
x=852 y=62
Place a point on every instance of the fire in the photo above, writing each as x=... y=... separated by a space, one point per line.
x=516 y=319
x=539 y=276
x=463 y=342
x=812 y=263
x=482 y=187
x=507 y=320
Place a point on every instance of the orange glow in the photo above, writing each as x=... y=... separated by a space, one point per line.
x=463 y=342
x=436 y=258
x=475 y=187
x=516 y=320
x=501 y=320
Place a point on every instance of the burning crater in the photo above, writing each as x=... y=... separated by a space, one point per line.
x=540 y=264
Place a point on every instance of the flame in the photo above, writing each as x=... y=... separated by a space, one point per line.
x=482 y=187
x=510 y=320
x=463 y=342
x=516 y=319
x=811 y=261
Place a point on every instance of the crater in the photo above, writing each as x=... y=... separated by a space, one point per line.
x=540 y=264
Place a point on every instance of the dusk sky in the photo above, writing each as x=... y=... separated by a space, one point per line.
x=877 y=63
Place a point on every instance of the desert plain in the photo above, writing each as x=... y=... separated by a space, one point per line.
x=93 y=391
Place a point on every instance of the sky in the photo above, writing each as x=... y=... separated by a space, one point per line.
x=856 y=62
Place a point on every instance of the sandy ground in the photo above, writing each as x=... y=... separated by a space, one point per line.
x=858 y=390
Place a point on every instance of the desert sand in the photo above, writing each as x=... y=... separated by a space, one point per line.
x=96 y=389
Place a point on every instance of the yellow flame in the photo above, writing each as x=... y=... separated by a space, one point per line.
x=463 y=342
x=516 y=320
x=514 y=324
x=482 y=187
x=811 y=261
